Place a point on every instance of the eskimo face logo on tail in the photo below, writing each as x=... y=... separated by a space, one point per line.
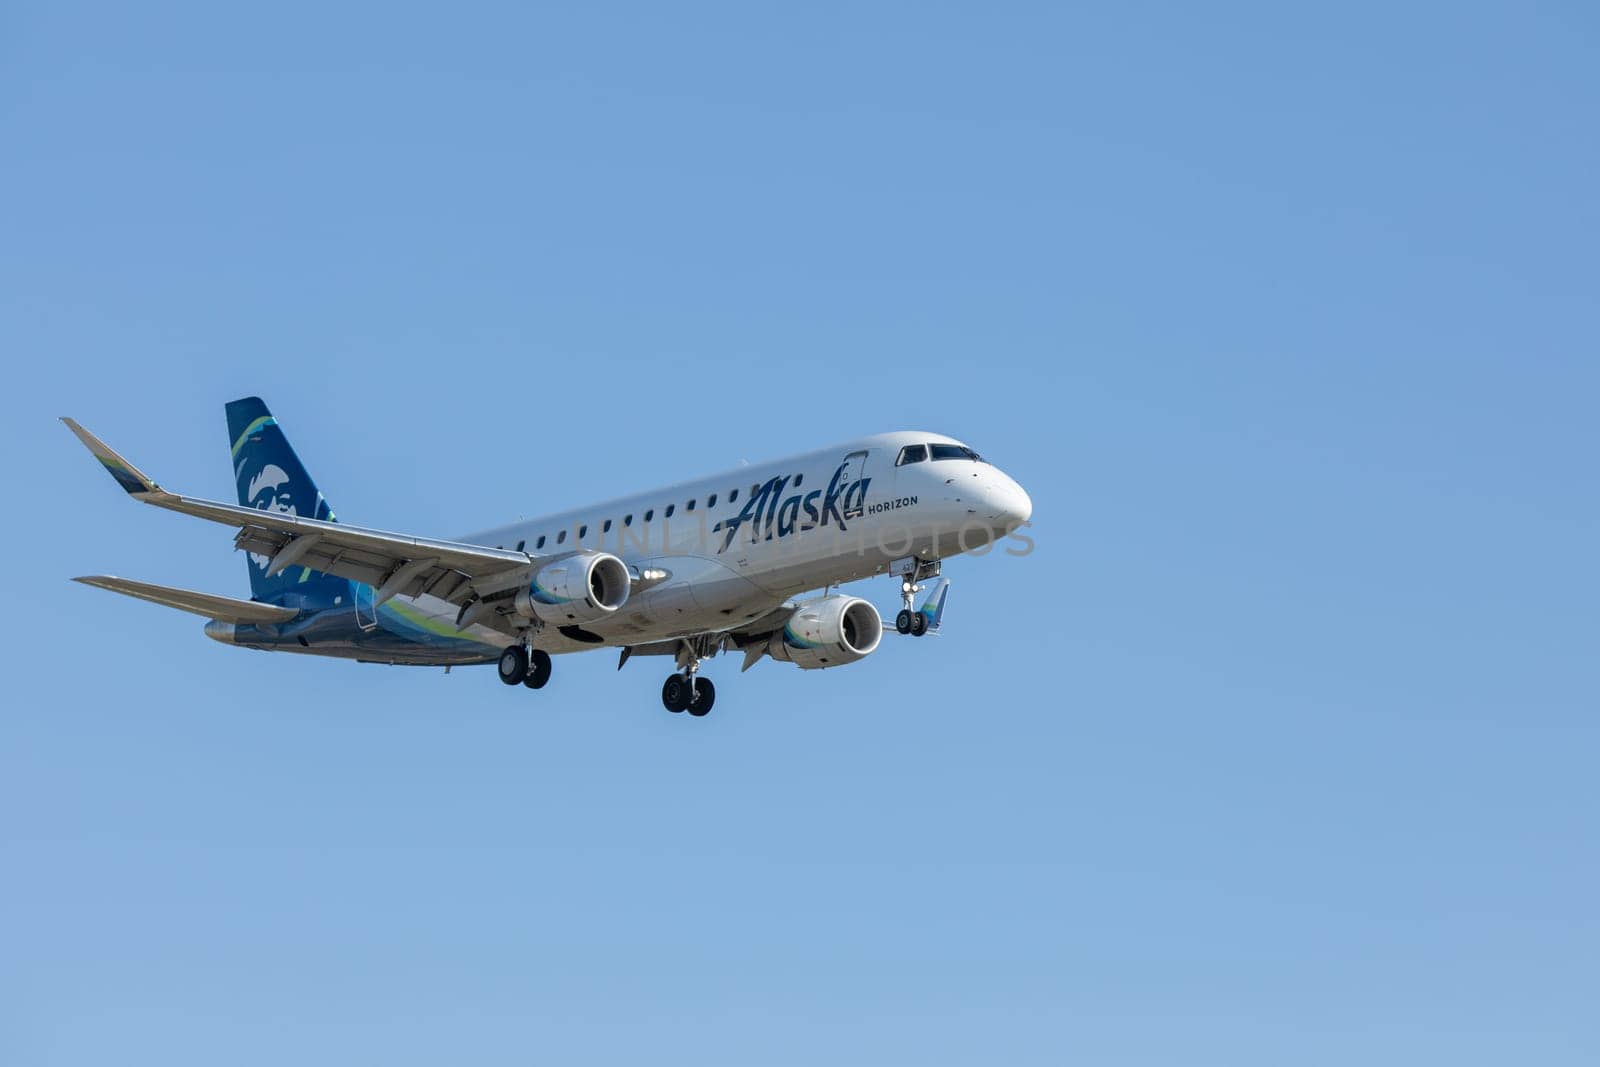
x=270 y=491
x=768 y=513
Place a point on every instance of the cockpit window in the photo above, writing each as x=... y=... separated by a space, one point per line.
x=954 y=452
x=912 y=454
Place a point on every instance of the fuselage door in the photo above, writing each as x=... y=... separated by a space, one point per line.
x=366 y=614
x=855 y=468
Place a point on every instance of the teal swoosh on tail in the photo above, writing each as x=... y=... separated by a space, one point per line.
x=270 y=477
x=238 y=442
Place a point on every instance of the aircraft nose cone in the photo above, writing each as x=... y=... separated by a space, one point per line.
x=1021 y=506
x=1016 y=506
x=1010 y=505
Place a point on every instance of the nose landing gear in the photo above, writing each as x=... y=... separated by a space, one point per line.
x=911 y=622
x=913 y=572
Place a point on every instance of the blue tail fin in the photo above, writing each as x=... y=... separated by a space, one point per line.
x=270 y=477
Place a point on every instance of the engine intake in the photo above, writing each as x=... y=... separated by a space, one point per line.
x=580 y=588
x=828 y=632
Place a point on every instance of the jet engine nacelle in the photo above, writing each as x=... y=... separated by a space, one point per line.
x=828 y=632
x=578 y=589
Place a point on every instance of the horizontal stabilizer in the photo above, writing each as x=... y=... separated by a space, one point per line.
x=226 y=608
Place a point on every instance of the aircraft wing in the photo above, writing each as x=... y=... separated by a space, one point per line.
x=393 y=564
x=226 y=608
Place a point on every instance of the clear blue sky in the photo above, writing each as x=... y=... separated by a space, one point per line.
x=1280 y=748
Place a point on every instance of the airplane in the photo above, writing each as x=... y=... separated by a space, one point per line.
x=691 y=570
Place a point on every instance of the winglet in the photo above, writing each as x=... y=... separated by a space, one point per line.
x=933 y=607
x=131 y=478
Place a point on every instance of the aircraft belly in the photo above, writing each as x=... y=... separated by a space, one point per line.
x=340 y=633
x=703 y=595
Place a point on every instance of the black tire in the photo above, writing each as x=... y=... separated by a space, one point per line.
x=538 y=669
x=705 y=695
x=675 y=693
x=513 y=665
x=902 y=622
x=919 y=624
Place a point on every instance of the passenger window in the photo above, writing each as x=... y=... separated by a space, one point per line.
x=711 y=501
x=912 y=454
x=627 y=520
x=539 y=544
x=649 y=514
x=583 y=531
x=521 y=544
x=606 y=528
x=689 y=506
x=754 y=489
x=668 y=513
x=798 y=478
x=733 y=496
x=561 y=538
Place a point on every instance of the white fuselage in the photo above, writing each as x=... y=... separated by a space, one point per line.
x=739 y=543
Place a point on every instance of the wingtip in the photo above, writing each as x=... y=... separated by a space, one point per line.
x=134 y=481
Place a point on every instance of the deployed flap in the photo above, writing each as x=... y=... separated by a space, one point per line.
x=766 y=624
x=211 y=606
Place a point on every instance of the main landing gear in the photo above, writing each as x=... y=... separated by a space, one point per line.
x=521 y=665
x=911 y=621
x=686 y=690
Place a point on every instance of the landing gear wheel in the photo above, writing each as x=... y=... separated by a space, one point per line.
x=919 y=624
x=675 y=693
x=902 y=622
x=538 y=669
x=513 y=664
x=705 y=695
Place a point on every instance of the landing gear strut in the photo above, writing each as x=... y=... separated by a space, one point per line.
x=705 y=695
x=538 y=675
x=911 y=621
